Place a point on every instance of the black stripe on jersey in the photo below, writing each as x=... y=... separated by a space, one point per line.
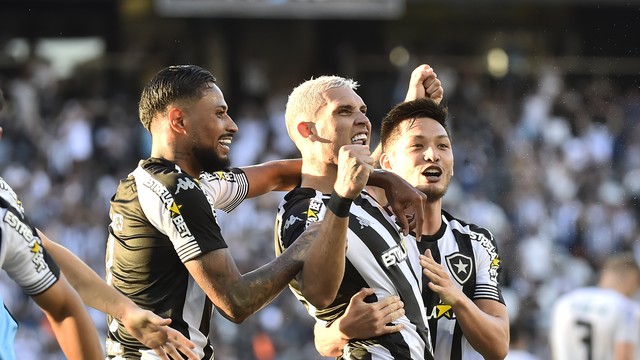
x=352 y=282
x=456 y=343
x=430 y=298
x=377 y=245
x=464 y=247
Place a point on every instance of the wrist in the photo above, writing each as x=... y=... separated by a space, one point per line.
x=380 y=178
x=338 y=205
x=344 y=338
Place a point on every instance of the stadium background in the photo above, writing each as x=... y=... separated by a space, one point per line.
x=544 y=97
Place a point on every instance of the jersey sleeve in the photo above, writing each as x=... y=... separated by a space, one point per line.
x=488 y=265
x=178 y=207
x=628 y=330
x=295 y=215
x=24 y=257
x=227 y=189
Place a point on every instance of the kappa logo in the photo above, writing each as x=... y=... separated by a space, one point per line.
x=185 y=184
x=460 y=267
x=290 y=221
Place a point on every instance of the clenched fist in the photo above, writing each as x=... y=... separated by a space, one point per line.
x=355 y=164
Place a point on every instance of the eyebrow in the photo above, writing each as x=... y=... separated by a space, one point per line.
x=349 y=108
x=420 y=137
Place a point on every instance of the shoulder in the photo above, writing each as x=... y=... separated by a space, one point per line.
x=8 y=197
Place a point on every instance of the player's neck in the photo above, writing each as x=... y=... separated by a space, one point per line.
x=321 y=177
x=433 y=218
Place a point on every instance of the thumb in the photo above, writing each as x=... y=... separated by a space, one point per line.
x=157 y=320
x=363 y=293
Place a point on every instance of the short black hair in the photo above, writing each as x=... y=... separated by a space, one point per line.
x=410 y=110
x=171 y=84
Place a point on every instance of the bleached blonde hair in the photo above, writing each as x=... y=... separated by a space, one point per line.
x=306 y=98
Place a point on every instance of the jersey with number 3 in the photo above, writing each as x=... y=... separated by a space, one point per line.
x=587 y=323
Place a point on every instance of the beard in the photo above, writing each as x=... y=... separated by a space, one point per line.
x=209 y=160
x=434 y=193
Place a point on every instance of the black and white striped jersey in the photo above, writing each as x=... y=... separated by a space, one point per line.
x=21 y=253
x=23 y=258
x=376 y=258
x=470 y=256
x=160 y=219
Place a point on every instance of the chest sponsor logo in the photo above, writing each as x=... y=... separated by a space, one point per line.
x=313 y=212
x=394 y=256
x=460 y=267
x=185 y=184
x=488 y=245
x=441 y=310
x=218 y=176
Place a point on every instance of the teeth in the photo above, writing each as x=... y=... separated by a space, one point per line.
x=225 y=141
x=359 y=137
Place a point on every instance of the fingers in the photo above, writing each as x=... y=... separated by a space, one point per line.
x=355 y=164
x=363 y=293
x=180 y=342
x=172 y=351
x=416 y=88
x=161 y=353
x=388 y=329
x=434 y=88
x=401 y=217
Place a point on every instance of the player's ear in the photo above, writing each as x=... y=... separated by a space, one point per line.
x=307 y=129
x=386 y=163
x=176 y=120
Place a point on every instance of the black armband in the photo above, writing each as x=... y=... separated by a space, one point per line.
x=338 y=205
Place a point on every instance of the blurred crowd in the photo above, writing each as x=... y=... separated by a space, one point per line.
x=549 y=162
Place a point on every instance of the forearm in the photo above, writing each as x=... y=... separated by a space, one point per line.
x=77 y=337
x=93 y=290
x=277 y=175
x=329 y=341
x=324 y=266
x=488 y=334
x=259 y=287
x=70 y=322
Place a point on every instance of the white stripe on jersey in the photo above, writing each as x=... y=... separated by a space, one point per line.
x=22 y=254
x=156 y=202
x=225 y=190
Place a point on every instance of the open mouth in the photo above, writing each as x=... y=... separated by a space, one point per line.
x=225 y=142
x=360 y=139
x=432 y=173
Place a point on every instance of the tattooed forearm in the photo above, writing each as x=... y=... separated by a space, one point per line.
x=259 y=287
